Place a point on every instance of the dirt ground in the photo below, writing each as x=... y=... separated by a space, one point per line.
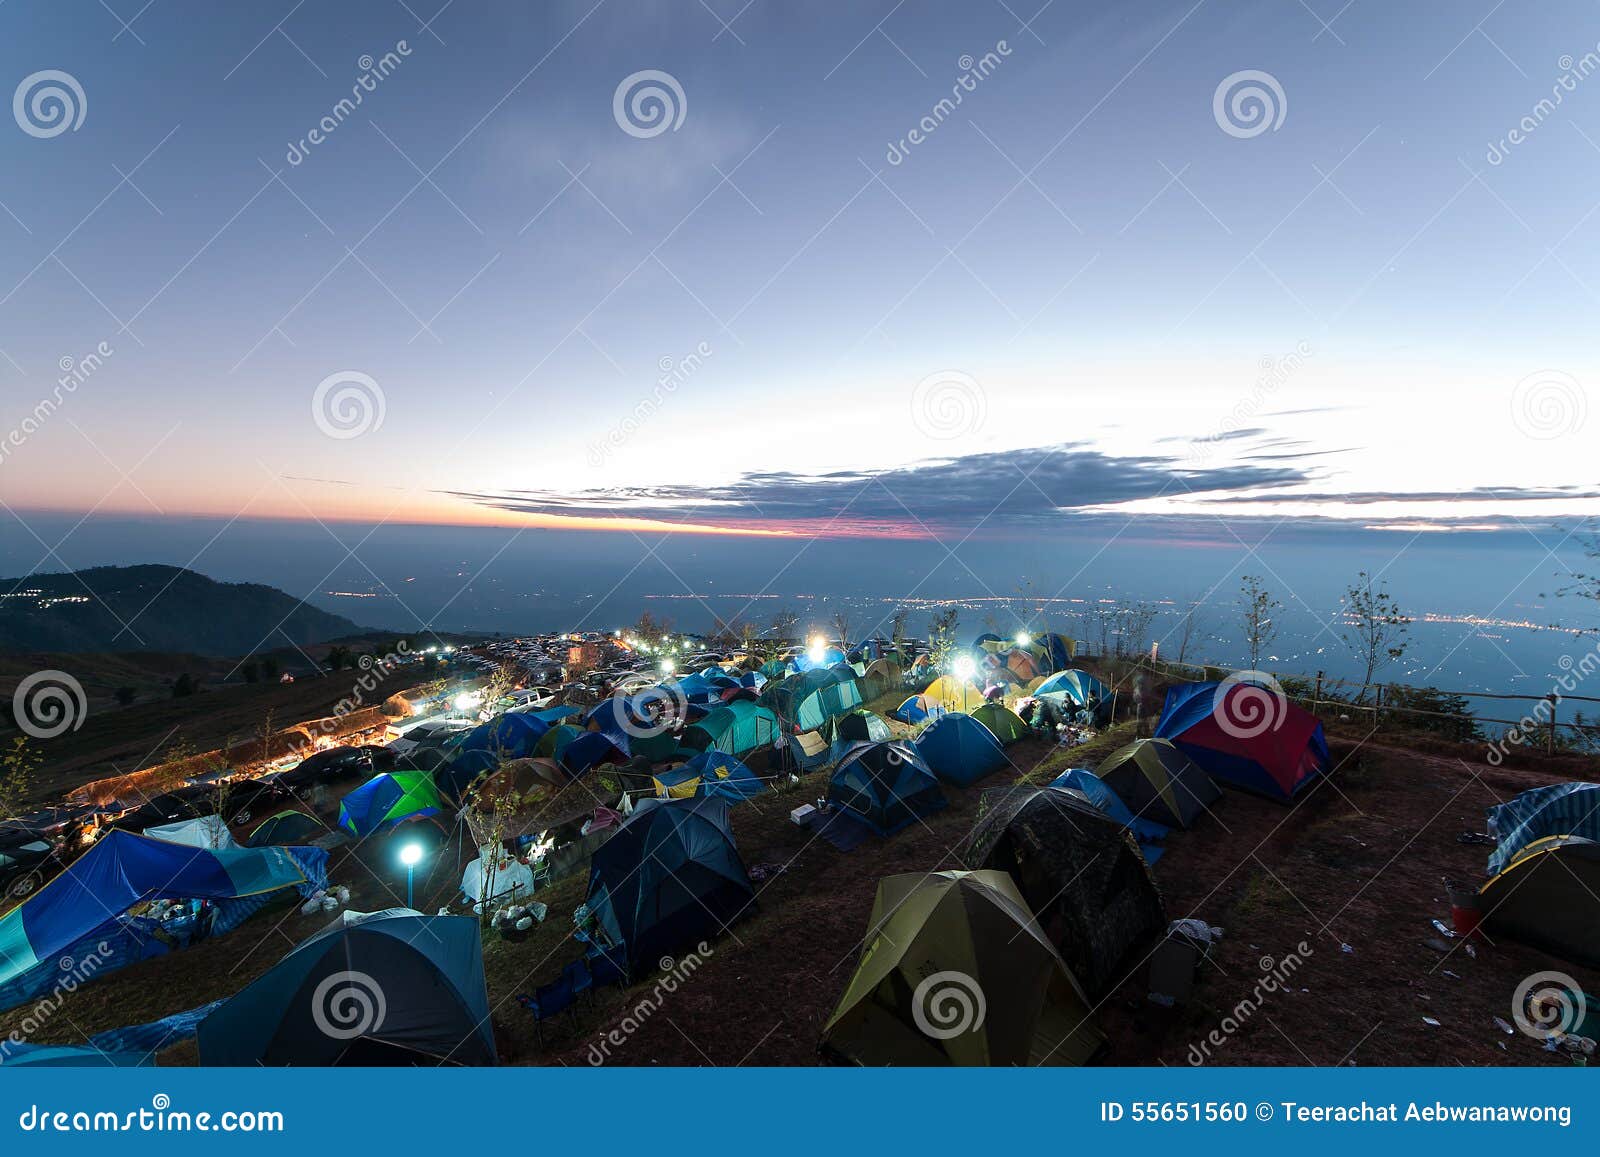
x=1354 y=869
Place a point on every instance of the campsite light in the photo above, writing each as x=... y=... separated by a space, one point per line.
x=818 y=650
x=467 y=700
x=668 y=666
x=410 y=856
x=1023 y=638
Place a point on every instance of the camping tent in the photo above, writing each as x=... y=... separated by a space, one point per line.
x=387 y=988
x=881 y=677
x=1003 y=723
x=960 y=750
x=917 y=709
x=736 y=728
x=806 y=701
x=204 y=832
x=1246 y=735
x=1545 y=897
x=1094 y=789
x=555 y=741
x=956 y=971
x=1558 y=809
x=507 y=736
x=709 y=773
x=669 y=877
x=955 y=694
x=886 y=785
x=859 y=726
x=389 y=799
x=1081 y=873
x=1080 y=689
x=81 y=913
x=589 y=751
x=1158 y=782
x=286 y=827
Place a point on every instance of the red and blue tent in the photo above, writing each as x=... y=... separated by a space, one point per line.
x=1245 y=735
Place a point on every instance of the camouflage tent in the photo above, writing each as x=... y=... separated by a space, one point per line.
x=1081 y=873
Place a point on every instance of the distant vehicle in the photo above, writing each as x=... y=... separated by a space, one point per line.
x=27 y=867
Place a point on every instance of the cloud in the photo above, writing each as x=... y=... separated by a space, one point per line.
x=924 y=499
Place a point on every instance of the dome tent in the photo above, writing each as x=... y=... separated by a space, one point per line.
x=389 y=799
x=1545 y=897
x=1080 y=872
x=396 y=987
x=960 y=750
x=1158 y=782
x=886 y=785
x=669 y=877
x=1003 y=723
x=709 y=773
x=962 y=943
x=1246 y=735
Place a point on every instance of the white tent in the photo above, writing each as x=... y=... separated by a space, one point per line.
x=205 y=832
x=512 y=878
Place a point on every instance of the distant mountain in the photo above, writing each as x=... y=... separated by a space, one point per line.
x=156 y=608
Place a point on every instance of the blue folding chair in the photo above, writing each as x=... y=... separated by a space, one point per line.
x=579 y=979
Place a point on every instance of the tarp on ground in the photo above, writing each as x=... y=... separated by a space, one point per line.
x=204 y=832
x=85 y=905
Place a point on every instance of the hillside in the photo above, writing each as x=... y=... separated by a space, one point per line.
x=155 y=608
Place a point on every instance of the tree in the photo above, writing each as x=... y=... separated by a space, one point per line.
x=183 y=686
x=338 y=658
x=1586 y=585
x=1191 y=624
x=251 y=672
x=125 y=696
x=17 y=765
x=841 y=628
x=1374 y=628
x=1259 y=627
x=942 y=633
x=897 y=629
x=269 y=667
x=1135 y=630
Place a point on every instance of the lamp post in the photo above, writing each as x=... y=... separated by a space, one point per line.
x=410 y=856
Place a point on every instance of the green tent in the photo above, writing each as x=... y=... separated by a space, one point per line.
x=859 y=726
x=1005 y=724
x=734 y=728
x=553 y=742
x=1159 y=783
x=389 y=799
x=808 y=700
x=956 y=971
x=1546 y=897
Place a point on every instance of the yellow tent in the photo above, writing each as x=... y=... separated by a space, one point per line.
x=955 y=694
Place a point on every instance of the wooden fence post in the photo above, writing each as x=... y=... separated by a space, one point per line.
x=1316 y=696
x=1550 y=732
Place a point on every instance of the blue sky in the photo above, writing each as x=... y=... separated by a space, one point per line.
x=1080 y=295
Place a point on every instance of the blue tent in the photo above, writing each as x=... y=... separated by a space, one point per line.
x=1559 y=809
x=588 y=751
x=960 y=750
x=917 y=708
x=1098 y=792
x=670 y=877
x=1079 y=688
x=78 y=919
x=709 y=773
x=616 y=719
x=552 y=715
x=1245 y=735
x=17 y=1054
x=387 y=799
x=885 y=785
x=511 y=735
x=831 y=656
x=387 y=988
